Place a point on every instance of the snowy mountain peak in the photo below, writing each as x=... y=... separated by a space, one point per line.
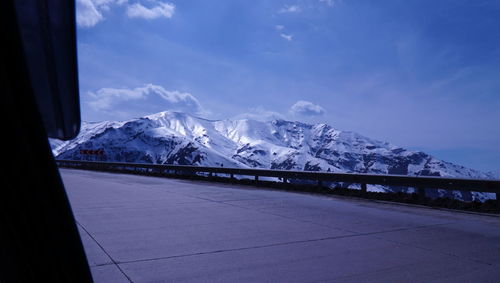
x=179 y=138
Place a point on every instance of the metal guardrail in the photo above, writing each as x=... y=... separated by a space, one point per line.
x=419 y=182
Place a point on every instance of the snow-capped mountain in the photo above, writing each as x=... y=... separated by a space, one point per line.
x=178 y=138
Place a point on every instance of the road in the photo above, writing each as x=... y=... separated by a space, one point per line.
x=148 y=229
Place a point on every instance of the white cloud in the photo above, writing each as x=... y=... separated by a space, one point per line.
x=90 y=12
x=160 y=9
x=143 y=100
x=306 y=108
x=104 y=5
x=87 y=13
x=289 y=9
x=288 y=37
x=279 y=27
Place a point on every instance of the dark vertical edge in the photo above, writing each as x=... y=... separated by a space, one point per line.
x=421 y=193
x=498 y=200
x=363 y=188
x=39 y=239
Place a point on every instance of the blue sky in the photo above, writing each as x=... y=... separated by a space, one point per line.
x=420 y=74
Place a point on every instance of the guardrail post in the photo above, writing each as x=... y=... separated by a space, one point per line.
x=231 y=176
x=421 y=193
x=320 y=183
x=284 y=180
x=363 y=188
x=256 y=178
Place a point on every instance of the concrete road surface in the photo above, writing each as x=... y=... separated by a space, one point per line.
x=147 y=229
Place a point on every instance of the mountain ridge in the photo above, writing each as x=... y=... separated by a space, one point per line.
x=178 y=138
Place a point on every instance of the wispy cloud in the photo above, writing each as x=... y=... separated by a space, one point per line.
x=300 y=110
x=288 y=37
x=260 y=114
x=147 y=97
x=279 y=27
x=289 y=9
x=306 y=108
x=158 y=10
x=88 y=14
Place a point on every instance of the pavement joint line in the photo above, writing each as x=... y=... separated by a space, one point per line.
x=351 y=231
x=424 y=248
x=328 y=226
x=102 y=248
x=311 y=222
x=238 y=249
x=290 y=218
x=275 y=245
x=226 y=202
x=223 y=201
x=103 y=264
x=435 y=251
x=373 y=273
